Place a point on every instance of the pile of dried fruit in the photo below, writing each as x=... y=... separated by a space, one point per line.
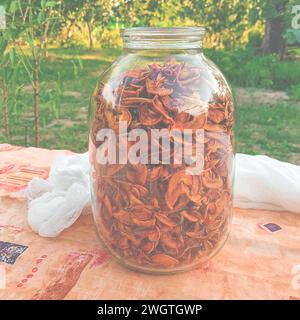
x=157 y=216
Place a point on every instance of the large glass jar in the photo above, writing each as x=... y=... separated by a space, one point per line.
x=161 y=152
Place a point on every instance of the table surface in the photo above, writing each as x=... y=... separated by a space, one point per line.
x=254 y=263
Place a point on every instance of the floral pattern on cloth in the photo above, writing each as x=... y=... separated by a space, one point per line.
x=14 y=178
x=254 y=263
x=9 y=252
x=9 y=147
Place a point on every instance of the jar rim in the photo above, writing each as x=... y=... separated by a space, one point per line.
x=163 y=37
x=164 y=31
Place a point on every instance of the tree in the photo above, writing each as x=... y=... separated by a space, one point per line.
x=95 y=15
x=9 y=64
x=88 y=16
x=274 y=41
x=3 y=77
x=70 y=12
x=148 y=12
x=227 y=22
x=36 y=19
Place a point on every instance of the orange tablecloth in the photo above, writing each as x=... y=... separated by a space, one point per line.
x=254 y=264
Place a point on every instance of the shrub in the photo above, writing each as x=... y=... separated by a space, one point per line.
x=254 y=39
x=295 y=92
x=286 y=74
x=243 y=67
x=111 y=39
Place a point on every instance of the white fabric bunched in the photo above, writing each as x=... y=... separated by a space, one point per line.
x=265 y=183
x=56 y=203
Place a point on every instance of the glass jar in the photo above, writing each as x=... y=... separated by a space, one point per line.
x=161 y=152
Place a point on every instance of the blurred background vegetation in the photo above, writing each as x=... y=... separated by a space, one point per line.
x=51 y=53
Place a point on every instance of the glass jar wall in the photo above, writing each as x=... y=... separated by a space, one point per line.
x=161 y=152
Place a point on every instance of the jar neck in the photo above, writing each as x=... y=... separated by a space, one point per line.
x=183 y=38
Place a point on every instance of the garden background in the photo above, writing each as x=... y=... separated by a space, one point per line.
x=51 y=53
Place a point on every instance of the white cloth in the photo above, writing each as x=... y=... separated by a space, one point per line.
x=56 y=203
x=265 y=183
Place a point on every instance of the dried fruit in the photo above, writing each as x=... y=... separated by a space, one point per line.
x=157 y=215
x=164 y=260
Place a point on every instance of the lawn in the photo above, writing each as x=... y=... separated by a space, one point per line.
x=262 y=128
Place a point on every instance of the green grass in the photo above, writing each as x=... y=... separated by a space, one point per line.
x=295 y=92
x=273 y=130
x=68 y=130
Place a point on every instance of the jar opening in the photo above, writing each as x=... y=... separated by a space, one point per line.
x=163 y=38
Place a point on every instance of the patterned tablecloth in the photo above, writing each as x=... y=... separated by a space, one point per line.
x=254 y=264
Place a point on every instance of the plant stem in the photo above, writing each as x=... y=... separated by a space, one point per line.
x=36 y=92
x=5 y=108
x=90 y=31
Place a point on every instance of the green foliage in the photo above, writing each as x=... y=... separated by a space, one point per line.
x=242 y=67
x=9 y=69
x=295 y=92
x=228 y=23
x=32 y=21
x=286 y=74
x=85 y=16
x=234 y=30
x=271 y=130
x=254 y=39
x=110 y=39
x=77 y=66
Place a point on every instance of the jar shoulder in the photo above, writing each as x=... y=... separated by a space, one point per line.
x=210 y=81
